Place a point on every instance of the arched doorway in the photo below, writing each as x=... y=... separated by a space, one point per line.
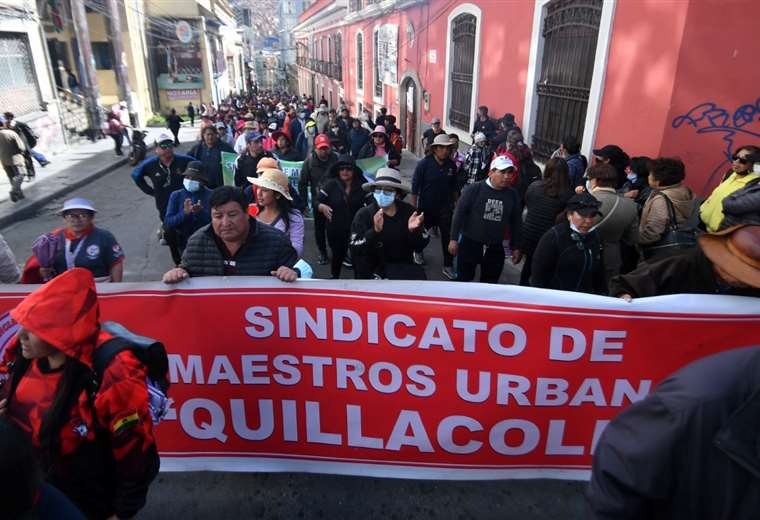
x=410 y=95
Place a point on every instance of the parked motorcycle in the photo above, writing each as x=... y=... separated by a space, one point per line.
x=138 y=149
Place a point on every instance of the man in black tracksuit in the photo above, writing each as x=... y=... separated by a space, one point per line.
x=312 y=179
x=487 y=210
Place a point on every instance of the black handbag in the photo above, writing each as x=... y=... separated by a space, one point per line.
x=675 y=239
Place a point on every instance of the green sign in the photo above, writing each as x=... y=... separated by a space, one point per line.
x=370 y=165
x=228 y=168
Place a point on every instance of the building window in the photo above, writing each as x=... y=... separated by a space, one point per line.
x=570 y=32
x=376 y=64
x=19 y=91
x=462 y=60
x=103 y=55
x=360 y=61
x=410 y=34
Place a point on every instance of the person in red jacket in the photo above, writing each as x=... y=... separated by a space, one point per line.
x=97 y=449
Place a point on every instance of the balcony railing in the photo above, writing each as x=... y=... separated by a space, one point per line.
x=332 y=70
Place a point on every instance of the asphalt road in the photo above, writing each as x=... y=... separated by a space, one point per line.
x=132 y=217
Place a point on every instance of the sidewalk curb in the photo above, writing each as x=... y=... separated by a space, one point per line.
x=27 y=209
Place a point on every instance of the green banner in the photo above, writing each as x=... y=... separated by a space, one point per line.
x=292 y=169
x=370 y=165
x=228 y=168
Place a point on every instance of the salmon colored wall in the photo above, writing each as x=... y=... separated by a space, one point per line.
x=715 y=107
x=641 y=73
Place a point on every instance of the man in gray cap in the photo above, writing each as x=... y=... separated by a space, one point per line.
x=430 y=134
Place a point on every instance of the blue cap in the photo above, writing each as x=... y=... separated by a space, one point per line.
x=253 y=136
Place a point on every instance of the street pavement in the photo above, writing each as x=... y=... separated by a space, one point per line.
x=131 y=216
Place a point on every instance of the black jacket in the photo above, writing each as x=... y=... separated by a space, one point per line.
x=245 y=166
x=314 y=174
x=344 y=206
x=265 y=250
x=212 y=160
x=162 y=182
x=560 y=263
x=689 y=451
x=292 y=155
x=541 y=216
x=690 y=272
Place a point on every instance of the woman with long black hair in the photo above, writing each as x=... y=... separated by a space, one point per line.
x=339 y=200
x=94 y=444
x=545 y=200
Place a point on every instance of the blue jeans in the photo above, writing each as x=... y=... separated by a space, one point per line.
x=38 y=156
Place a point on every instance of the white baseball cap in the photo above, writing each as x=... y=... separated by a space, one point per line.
x=502 y=162
x=163 y=137
x=479 y=136
x=78 y=204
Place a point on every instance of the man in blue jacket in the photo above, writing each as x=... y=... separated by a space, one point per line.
x=188 y=209
x=159 y=176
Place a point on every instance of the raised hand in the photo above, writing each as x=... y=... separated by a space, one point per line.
x=416 y=220
x=378 y=221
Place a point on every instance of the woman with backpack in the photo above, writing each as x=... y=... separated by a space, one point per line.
x=669 y=198
x=95 y=442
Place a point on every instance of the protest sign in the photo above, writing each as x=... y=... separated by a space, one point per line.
x=407 y=379
x=228 y=168
x=370 y=165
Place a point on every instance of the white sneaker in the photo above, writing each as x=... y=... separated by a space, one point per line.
x=419 y=259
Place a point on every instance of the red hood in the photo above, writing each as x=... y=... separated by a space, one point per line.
x=64 y=312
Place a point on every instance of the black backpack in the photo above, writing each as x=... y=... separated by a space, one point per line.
x=28 y=133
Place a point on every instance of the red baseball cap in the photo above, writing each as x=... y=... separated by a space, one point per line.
x=322 y=141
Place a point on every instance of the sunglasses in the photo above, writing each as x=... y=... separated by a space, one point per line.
x=164 y=146
x=740 y=160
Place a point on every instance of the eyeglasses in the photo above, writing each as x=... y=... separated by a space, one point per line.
x=77 y=215
x=166 y=145
x=740 y=160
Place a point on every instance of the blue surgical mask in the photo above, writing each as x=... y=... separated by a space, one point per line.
x=632 y=177
x=191 y=185
x=383 y=199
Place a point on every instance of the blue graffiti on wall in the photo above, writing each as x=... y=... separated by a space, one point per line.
x=709 y=117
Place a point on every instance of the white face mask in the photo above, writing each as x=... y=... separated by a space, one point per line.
x=756 y=167
x=588 y=185
x=191 y=185
x=632 y=177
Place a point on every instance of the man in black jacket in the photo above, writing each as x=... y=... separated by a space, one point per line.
x=313 y=176
x=235 y=244
x=247 y=162
x=689 y=451
x=486 y=211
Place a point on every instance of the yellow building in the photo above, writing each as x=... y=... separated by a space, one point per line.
x=175 y=51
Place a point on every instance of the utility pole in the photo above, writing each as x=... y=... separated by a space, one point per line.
x=87 y=66
x=120 y=66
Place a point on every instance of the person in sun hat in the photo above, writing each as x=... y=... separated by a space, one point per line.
x=188 y=209
x=386 y=233
x=379 y=145
x=568 y=257
x=81 y=244
x=726 y=262
x=275 y=205
x=434 y=191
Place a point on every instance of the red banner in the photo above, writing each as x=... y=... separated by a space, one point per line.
x=408 y=379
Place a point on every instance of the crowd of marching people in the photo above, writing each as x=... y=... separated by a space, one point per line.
x=616 y=225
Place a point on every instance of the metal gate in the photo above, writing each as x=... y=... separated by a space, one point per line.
x=463 y=29
x=571 y=28
x=19 y=92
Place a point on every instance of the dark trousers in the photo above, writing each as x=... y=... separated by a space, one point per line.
x=117 y=140
x=338 y=240
x=471 y=253
x=442 y=219
x=192 y=119
x=526 y=270
x=320 y=231
x=175 y=131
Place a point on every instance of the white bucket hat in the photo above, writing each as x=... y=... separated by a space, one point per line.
x=386 y=178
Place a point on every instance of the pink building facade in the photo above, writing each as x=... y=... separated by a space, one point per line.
x=674 y=78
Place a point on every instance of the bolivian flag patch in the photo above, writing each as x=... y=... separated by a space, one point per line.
x=125 y=423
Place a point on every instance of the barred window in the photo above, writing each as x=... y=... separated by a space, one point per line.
x=19 y=92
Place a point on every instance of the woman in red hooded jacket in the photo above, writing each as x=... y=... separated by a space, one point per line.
x=98 y=449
